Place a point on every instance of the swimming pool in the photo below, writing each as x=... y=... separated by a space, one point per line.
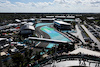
x=41 y=24
x=53 y=35
x=50 y=45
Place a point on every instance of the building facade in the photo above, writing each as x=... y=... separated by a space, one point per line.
x=62 y=25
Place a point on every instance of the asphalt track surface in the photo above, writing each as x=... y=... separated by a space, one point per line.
x=41 y=44
x=44 y=35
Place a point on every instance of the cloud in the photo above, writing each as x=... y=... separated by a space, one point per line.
x=60 y=1
x=3 y=1
x=43 y=4
x=20 y=4
x=78 y=2
x=55 y=6
x=94 y=5
x=95 y=2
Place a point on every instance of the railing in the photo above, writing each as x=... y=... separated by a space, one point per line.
x=72 y=57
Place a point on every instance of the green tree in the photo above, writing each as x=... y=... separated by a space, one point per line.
x=38 y=56
x=98 y=23
x=18 y=59
x=30 y=52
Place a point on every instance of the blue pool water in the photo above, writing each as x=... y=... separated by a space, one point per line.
x=50 y=45
x=53 y=35
x=41 y=24
x=32 y=57
x=41 y=53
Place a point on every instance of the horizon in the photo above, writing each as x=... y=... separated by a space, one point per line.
x=55 y=12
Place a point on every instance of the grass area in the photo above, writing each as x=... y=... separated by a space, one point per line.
x=98 y=39
x=97 y=20
x=85 y=32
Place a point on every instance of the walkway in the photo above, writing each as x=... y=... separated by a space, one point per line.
x=79 y=34
x=91 y=36
x=47 y=40
x=69 y=63
x=56 y=60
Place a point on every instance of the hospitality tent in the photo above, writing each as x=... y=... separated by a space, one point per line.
x=3 y=53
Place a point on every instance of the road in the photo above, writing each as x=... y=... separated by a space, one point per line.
x=91 y=36
x=44 y=35
x=79 y=34
x=94 y=29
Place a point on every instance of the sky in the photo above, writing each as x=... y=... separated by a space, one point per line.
x=70 y=6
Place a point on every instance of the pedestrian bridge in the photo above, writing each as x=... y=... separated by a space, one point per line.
x=47 y=40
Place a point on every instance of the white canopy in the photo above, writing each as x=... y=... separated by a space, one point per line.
x=32 y=19
x=50 y=16
x=17 y=20
x=45 y=55
x=13 y=42
x=12 y=24
x=27 y=26
x=3 y=39
x=60 y=16
x=14 y=49
x=6 y=45
x=70 y=16
x=20 y=44
x=3 y=53
x=47 y=19
x=23 y=22
x=90 y=18
x=61 y=22
x=29 y=23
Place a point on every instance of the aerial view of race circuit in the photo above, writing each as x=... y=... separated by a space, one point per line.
x=54 y=33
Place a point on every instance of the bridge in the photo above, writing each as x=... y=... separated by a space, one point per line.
x=48 y=40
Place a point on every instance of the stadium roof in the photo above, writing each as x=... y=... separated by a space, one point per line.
x=69 y=20
x=47 y=19
x=70 y=16
x=90 y=18
x=50 y=16
x=61 y=22
x=26 y=27
x=60 y=16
